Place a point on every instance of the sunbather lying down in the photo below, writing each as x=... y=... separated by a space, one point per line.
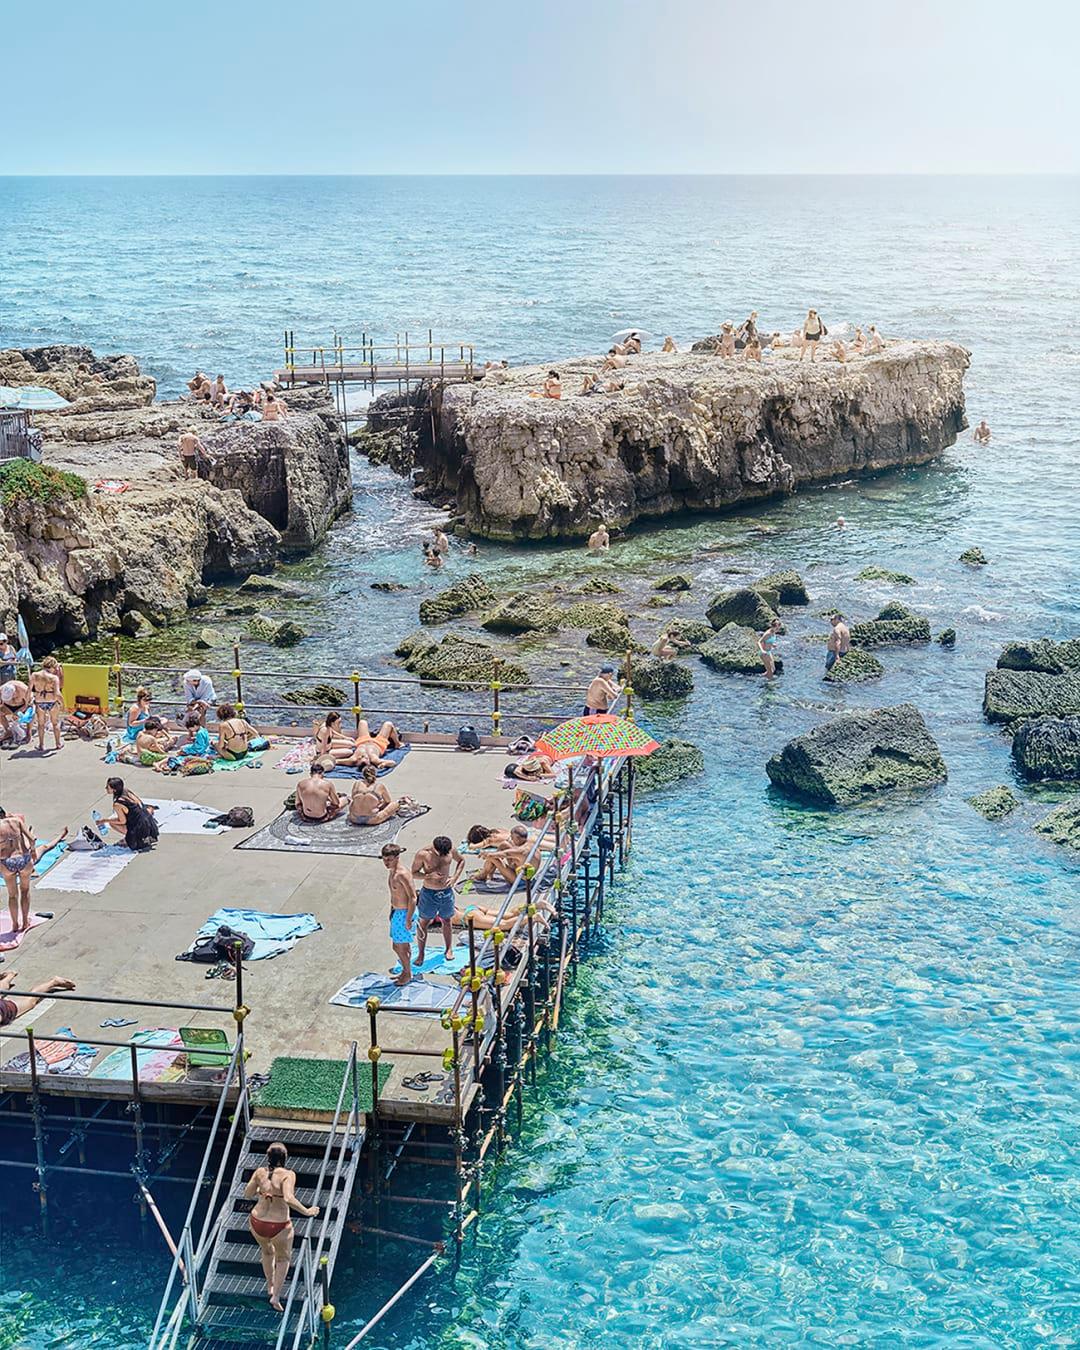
x=364 y=748
x=486 y=919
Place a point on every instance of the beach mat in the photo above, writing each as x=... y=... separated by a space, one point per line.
x=89 y=873
x=315 y=1085
x=9 y=940
x=272 y=934
x=289 y=834
x=163 y=1061
x=178 y=817
x=435 y=963
x=50 y=858
x=252 y=760
x=57 y=1057
x=418 y=997
x=352 y=772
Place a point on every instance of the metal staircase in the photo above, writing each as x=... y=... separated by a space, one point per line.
x=221 y=1298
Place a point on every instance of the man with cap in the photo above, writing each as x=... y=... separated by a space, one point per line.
x=7 y=659
x=602 y=691
x=198 y=688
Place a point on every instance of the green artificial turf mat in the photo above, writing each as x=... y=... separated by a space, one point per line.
x=314 y=1084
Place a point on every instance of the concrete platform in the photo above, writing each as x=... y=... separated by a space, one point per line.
x=123 y=942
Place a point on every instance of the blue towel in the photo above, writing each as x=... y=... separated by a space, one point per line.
x=272 y=934
x=350 y=772
x=436 y=960
x=47 y=859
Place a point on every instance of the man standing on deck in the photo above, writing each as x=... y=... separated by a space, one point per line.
x=839 y=643
x=402 y=907
x=602 y=691
x=436 y=900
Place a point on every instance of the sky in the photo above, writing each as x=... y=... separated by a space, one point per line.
x=568 y=86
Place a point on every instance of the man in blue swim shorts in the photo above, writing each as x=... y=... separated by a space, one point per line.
x=402 y=907
x=433 y=865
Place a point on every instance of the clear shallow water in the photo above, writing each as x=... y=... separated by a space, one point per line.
x=821 y=1085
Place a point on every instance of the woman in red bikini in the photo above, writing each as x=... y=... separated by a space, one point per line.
x=271 y=1222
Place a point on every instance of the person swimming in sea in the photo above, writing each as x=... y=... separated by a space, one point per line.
x=981 y=434
x=599 y=540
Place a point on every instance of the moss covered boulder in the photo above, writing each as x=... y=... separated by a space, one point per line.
x=674 y=761
x=1062 y=825
x=947 y=637
x=317 y=696
x=743 y=607
x=975 y=557
x=678 y=581
x=855 y=667
x=613 y=637
x=894 y=624
x=696 y=632
x=598 y=586
x=462 y=661
x=884 y=574
x=788 y=587
x=522 y=613
x=208 y=638
x=1052 y=658
x=593 y=614
x=995 y=803
x=859 y=755
x=659 y=602
x=655 y=679
x=1048 y=748
x=278 y=632
x=1012 y=695
x=734 y=651
x=470 y=593
x=257 y=585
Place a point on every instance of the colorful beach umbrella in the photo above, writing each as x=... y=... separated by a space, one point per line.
x=601 y=735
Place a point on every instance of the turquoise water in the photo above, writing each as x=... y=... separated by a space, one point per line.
x=820 y=1085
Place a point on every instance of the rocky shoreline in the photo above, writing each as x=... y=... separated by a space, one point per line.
x=688 y=432
x=83 y=563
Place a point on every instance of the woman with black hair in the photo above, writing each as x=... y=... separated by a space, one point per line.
x=132 y=817
x=271 y=1222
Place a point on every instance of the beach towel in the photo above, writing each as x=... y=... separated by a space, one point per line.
x=59 y=1057
x=352 y=772
x=435 y=962
x=298 y=758
x=89 y=873
x=252 y=760
x=10 y=940
x=417 y=997
x=178 y=817
x=155 y=1065
x=53 y=856
x=289 y=834
x=272 y=934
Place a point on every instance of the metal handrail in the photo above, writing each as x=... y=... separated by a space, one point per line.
x=190 y=1276
x=135 y=667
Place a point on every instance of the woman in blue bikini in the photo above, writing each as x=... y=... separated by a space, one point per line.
x=766 y=644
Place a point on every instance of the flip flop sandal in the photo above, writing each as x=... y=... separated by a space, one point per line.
x=119 y=1022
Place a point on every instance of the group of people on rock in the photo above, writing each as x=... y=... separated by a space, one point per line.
x=215 y=394
x=746 y=343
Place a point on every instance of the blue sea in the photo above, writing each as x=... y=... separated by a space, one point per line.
x=819 y=1086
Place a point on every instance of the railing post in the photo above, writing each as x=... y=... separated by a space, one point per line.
x=327 y=1310
x=496 y=688
x=37 y=1111
x=358 y=709
x=477 y=1021
x=373 y=1005
x=628 y=677
x=238 y=677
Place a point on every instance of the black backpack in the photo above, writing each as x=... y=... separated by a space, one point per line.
x=468 y=738
x=220 y=946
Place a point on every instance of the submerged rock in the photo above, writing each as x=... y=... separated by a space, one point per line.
x=884 y=574
x=947 y=637
x=855 y=667
x=1062 y=825
x=598 y=586
x=388 y=586
x=470 y=593
x=788 y=587
x=471 y=664
x=744 y=607
x=319 y=695
x=1048 y=747
x=675 y=760
x=678 y=581
x=995 y=803
x=257 y=585
x=1012 y=695
x=659 y=602
x=859 y=754
x=522 y=613
x=894 y=624
x=975 y=556
x=734 y=651
x=655 y=679
x=278 y=632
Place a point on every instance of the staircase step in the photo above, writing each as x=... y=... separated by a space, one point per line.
x=237 y=1286
x=305 y=1194
x=255 y=1322
x=267 y=1132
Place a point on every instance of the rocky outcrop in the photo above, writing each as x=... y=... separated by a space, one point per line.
x=1052 y=658
x=278 y=632
x=686 y=432
x=947 y=637
x=318 y=696
x=1012 y=695
x=78 y=569
x=674 y=761
x=975 y=556
x=855 y=667
x=696 y=632
x=462 y=661
x=655 y=679
x=995 y=803
x=1062 y=825
x=1048 y=748
x=884 y=574
x=894 y=624
x=462 y=597
x=744 y=607
x=783 y=588
x=734 y=651
x=678 y=581
x=858 y=755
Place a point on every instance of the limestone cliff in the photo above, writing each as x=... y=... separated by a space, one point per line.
x=75 y=568
x=687 y=432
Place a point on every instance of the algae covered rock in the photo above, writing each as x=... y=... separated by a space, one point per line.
x=659 y=602
x=136 y=625
x=696 y=632
x=1048 y=747
x=855 y=667
x=858 y=755
x=884 y=574
x=975 y=556
x=947 y=637
x=388 y=586
x=788 y=587
x=1011 y=695
x=1062 y=825
x=522 y=613
x=207 y=638
x=593 y=614
x=471 y=592
x=1053 y=658
x=655 y=679
x=744 y=607
x=260 y=585
x=675 y=760
x=734 y=651
x=995 y=803
x=598 y=586
x=278 y=632
x=894 y=624
x=461 y=661
x=319 y=695
x=678 y=581
x=612 y=637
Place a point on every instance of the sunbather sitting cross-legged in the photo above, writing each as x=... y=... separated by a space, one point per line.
x=506 y=862
x=370 y=803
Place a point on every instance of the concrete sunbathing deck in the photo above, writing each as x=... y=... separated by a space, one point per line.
x=123 y=942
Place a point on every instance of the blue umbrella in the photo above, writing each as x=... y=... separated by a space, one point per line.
x=31 y=398
x=23 y=654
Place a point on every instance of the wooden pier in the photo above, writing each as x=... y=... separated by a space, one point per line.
x=405 y=362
